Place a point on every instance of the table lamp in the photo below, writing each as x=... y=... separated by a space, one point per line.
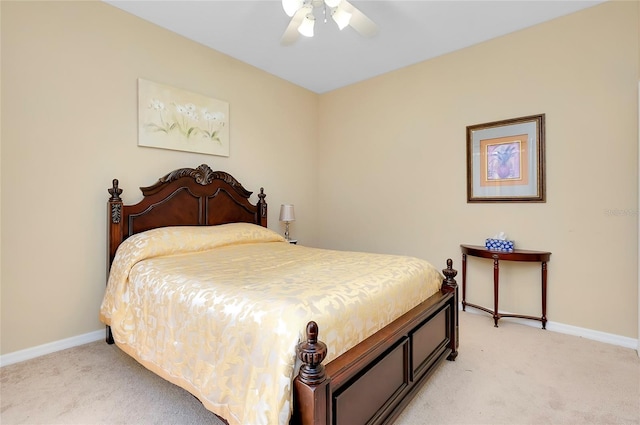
x=287 y=215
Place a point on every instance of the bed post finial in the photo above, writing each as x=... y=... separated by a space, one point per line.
x=312 y=352
x=115 y=191
x=449 y=284
x=262 y=208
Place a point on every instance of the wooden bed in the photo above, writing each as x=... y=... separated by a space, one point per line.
x=370 y=383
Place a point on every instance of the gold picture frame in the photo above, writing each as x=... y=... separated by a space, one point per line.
x=506 y=161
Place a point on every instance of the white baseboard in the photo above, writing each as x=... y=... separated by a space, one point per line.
x=52 y=347
x=622 y=341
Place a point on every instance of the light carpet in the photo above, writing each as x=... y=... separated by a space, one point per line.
x=514 y=374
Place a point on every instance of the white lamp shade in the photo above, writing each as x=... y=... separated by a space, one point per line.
x=286 y=213
x=306 y=27
x=332 y=3
x=341 y=17
x=291 y=6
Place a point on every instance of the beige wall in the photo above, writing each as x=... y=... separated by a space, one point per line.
x=69 y=109
x=399 y=155
x=69 y=73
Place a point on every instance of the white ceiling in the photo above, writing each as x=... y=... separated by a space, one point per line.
x=409 y=32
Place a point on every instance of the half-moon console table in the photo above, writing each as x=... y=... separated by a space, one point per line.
x=515 y=255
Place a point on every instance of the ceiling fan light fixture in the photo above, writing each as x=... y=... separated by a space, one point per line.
x=306 y=27
x=291 y=6
x=342 y=12
x=341 y=18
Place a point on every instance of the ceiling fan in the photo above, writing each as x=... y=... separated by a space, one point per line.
x=342 y=12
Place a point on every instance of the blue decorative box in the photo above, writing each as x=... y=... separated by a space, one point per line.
x=501 y=245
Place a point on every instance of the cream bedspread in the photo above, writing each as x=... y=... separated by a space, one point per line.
x=219 y=310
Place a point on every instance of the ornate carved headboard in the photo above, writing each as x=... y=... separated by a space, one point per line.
x=184 y=197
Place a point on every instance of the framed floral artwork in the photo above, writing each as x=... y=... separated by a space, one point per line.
x=171 y=118
x=505 y=160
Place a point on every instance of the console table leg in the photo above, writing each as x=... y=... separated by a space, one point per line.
x=464 y=282
x=496 y=274
x=544 y=295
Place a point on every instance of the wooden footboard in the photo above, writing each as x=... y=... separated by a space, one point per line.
x=375 y=380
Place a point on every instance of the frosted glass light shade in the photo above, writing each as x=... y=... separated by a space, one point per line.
x=341 y=17
x=332 y=3
x=291 y=6
x=306 y=27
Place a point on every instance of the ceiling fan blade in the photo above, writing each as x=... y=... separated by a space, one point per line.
x=291 y=33
x=359 y=21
